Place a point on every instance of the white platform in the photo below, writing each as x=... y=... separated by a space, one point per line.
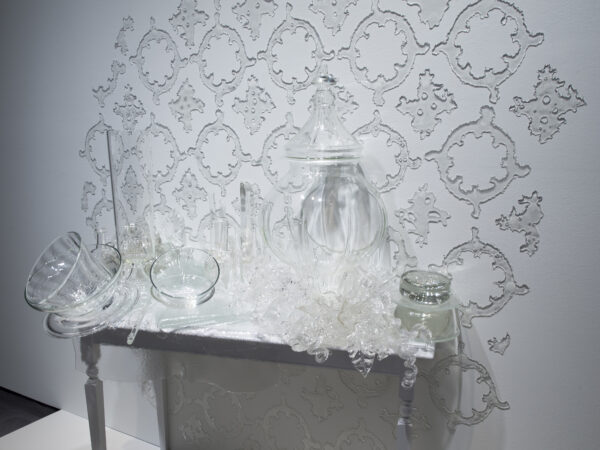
x=66 y=431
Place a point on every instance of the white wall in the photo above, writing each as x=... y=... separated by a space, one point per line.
x=54 y=53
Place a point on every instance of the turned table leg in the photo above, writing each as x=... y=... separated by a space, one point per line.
x=94 y=394
x=406 y=396
x=160 y=389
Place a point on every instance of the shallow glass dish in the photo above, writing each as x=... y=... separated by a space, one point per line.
x=184 y=277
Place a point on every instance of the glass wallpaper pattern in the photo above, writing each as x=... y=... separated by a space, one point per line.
x=223 y=85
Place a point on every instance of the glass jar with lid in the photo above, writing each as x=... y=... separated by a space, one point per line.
x=324 y=217
x=426 y=299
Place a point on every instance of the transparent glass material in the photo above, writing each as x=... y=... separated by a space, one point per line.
x=108 y=306
x=426 y=300
x=80 y=289
x=66 y=278
x=130 y=174
x=184 y=277
x=324 y=216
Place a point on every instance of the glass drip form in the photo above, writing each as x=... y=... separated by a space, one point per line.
x=426 y=300
x=323 y=217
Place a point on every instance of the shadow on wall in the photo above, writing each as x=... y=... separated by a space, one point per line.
x=454 y=392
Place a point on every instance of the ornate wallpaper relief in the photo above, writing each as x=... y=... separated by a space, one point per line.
x=222 y=86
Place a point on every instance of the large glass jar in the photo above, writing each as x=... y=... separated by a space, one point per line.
x=323 y=217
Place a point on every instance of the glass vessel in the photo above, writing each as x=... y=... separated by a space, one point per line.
x=80 y=289
x=426 y=300
x=130 y=175
x=67 y=277
x=107 y=306
x=184 y=277
x=324 y=217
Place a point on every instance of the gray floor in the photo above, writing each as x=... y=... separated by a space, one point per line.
x=17 y=411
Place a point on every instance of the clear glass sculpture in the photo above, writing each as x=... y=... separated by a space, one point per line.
x=130 y=174
x=80 y=289
x=184 y=277
x=113 y=301
x=426 y=300
x=324 y=217
x=66 y=277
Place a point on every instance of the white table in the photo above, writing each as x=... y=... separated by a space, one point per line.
x=227 y=342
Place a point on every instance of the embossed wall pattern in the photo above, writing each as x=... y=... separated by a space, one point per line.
x=223 y=85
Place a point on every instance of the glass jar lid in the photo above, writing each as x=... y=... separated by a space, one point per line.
x=425 y=287
x=323 y=137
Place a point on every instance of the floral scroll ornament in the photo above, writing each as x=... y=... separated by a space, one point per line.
x=97 y=133
x=357 y=437
x=221 y=178
x=421 y=213
x=499 y=345
x=250 y=12
x=547 y=109
x=286 y=132
x=121 y=43
x=396 y=143
x=223 y=412
x=345 y=102
x=408 y=49
x=186 y=18
x=89 y=189
x=525 y=222
x=431 y=12
x=222 y=86
x=432 y=100
x=465 y=364
x=130 y=110
x=131 y=188
x=104 y=204
x=293 y=26
x=365 y=388
x=282 y=424
x=324 y=400
x=101 y=92
x=476 y=195
x=402 y=258
x=166 y=81
x=218 y=422
x=334 y=12
x=189 y=193
x=508 y=285
x=254 y=107
x=156 y=139
x=185 y=103
x=520 y=36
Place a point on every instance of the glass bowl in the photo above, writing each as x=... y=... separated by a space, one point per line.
x=69 y=279
x=184 y=277
x=110 y=302
x=117 y=301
